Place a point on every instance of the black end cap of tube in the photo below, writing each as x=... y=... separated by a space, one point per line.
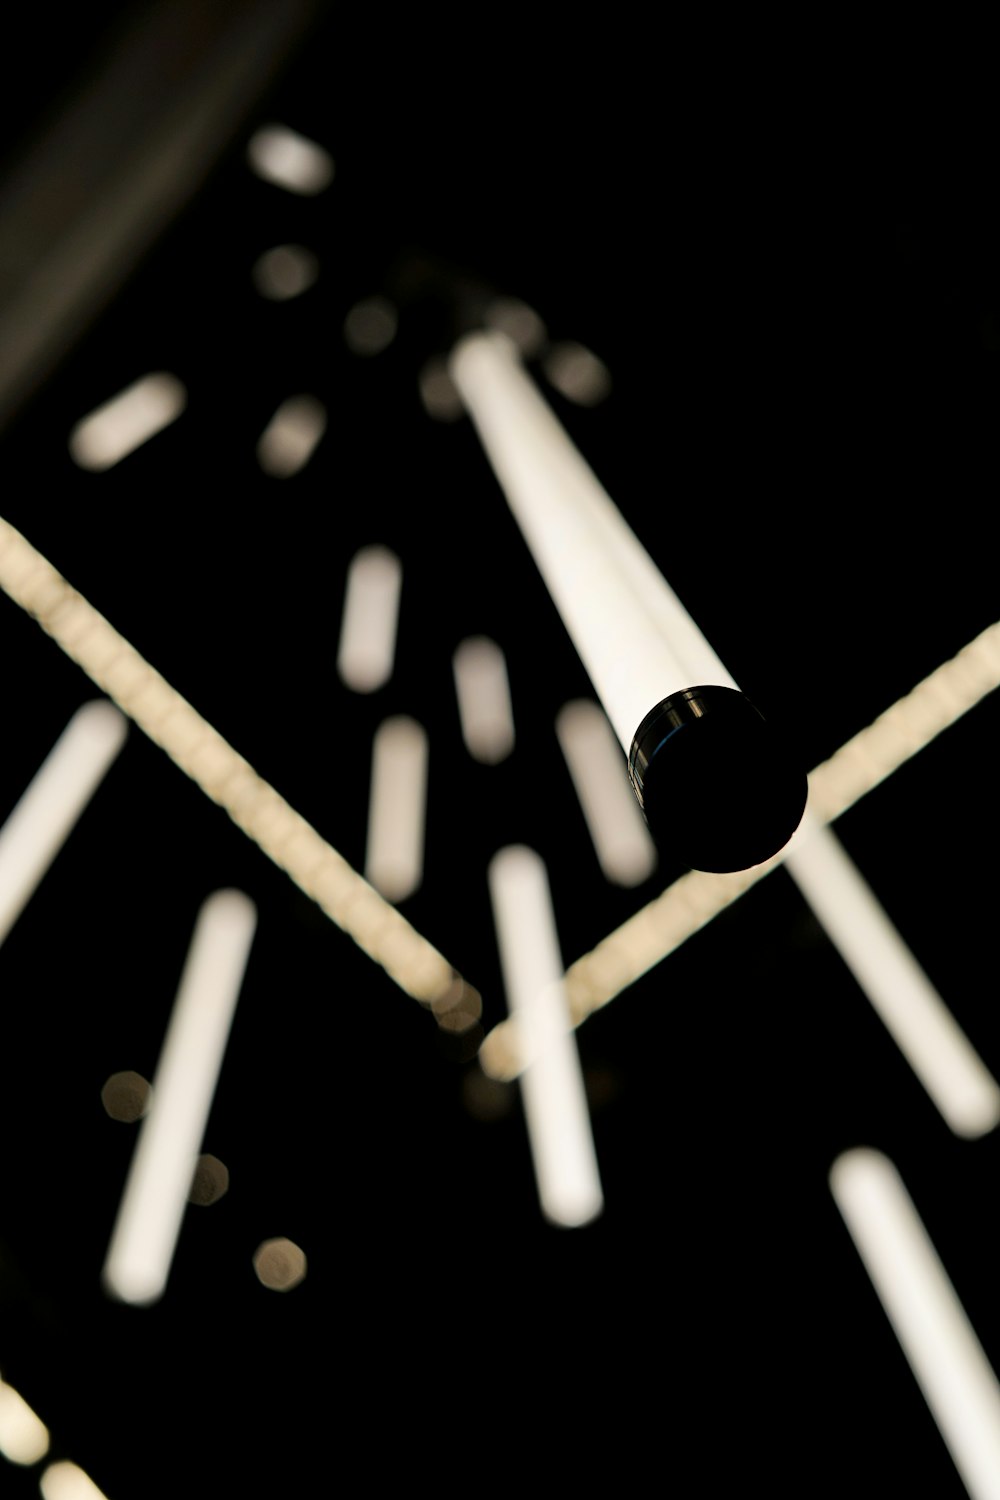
x=716 y=784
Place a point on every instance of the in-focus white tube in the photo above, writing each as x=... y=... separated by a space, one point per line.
x=555 y=1103
x=149 y=1218
x=939 y=1342
x=920 y=1023
x=48 y=810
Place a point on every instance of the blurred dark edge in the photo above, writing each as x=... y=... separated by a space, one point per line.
x=137 y=131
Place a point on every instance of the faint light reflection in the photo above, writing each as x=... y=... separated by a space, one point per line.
x=370 y=326
x=24 y=1437
x=290 y=438
x=577 y=374
x=519 y=322
x=284 y=272
x=126 y=1096
x=280 y=1264
x=439 y=393
x=289 y=160
x=486 y=1098
x=121 y=425
x=210 y=1181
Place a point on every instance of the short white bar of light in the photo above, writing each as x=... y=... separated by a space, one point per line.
x=24 y=1437
x=289 y=160
x=367 y=646
x=625 y=851
x=394 y=854
x=156 y=1191
x=289 y=440
x=555 y=1103
x=67 y=1481
x=49 y=808
x=114 y=430
x=923 y=1027
x=939 y=1342
x=482 y=688
x=636 y=640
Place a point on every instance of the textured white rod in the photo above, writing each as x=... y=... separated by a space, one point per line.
x=923 y=1027
x=933 y=1329
x=555 y=1103
x=170 y=1136
x=561 y=511
x=394 y=856
x=49 y=808
x=622 y=842
x=202 y=753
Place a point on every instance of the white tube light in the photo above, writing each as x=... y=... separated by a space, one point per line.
x=289 y=440
x=24 y=1437
x=149 y=1218
x=394 y=855
x=67 y=1481
x=52 y=803
x=724 y=793
x=122 y=424
x=367 y=647
x=289 y=160
x=920 y=1023
x=483 y=692
x=625 y=851
x=938 y=1340
x=555 y=1103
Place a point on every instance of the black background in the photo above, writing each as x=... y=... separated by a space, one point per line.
x=800 y=317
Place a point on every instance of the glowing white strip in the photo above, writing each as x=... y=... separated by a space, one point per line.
x=24 y=1437
x=624 y=848
x=937 y=1338
x=394 y=857
x=922 y=1026
x=67 y=1481
x=116 y=429
x=638 y=643
x=483 y=692
x=691 y=902
x=49 y=808
x=555 y=1104
x=201 y=752
x=170 y=1136
x=289 y=440
x=371 y=612
x=289 y=160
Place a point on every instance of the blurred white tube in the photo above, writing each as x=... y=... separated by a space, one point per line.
x=933 y=1329
x=622 y=842
x=638 y=644
x=289 y=440
x=555 y=1103
x=67 y=1481
x=114 y=430
x=923 y=1027
x=394 y=854
x=483 y=692
x=149 y=1218
x=24 y=1437
x=371 y=611
x=48 y=810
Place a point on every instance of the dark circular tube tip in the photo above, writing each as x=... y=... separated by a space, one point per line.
x=716 y=784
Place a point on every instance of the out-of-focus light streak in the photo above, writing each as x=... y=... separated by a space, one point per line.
x=284 y=272
x=394 y=853
x=939 y=1342
x=160 y=1177
x=482 y=688
x=52 y=803
x=637 y=643
x=370 y=326
x=923 y=1027
x=67 y=1481
x=367 y=648
x=289 y=440
x=555 y=1103
x=577 y=374
x=24 y=1437
x=691 y=902
x=622 y=842
x=117 y=428
x=201 y=753
x=289 y=160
